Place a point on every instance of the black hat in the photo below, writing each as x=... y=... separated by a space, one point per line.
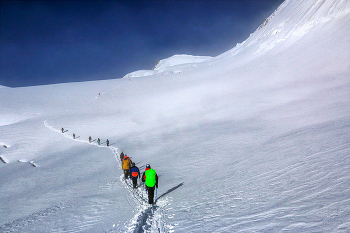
x=148 y=166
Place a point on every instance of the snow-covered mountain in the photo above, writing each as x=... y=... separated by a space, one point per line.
x=253 y=140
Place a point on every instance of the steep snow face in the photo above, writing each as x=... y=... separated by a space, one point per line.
x=289 y=23
x=254 y=140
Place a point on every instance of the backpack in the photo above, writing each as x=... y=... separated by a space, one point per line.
x=134 y=171
x=150 y=178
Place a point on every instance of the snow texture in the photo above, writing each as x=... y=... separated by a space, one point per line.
x=253 y=140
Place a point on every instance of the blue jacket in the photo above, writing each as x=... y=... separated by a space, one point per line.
x=134 y=172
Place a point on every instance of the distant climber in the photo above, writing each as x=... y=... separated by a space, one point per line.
x=151 y=181
x=98 y=141
x=62 y=130
x=107 y=142
x=90 y=139
x=73 y=135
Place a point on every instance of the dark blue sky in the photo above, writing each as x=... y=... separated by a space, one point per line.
x=46 y=42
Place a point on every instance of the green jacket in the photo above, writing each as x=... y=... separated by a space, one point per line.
x=151 y=178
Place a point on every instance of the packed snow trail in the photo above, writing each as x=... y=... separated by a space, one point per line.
x=149 y=218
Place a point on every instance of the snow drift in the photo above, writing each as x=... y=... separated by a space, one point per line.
x=171 y=65
x=179 y=60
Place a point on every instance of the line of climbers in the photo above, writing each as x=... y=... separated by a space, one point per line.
x=149 y=177
x=99 y=141
x=90 y=139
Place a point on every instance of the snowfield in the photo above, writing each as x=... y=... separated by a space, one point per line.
x=253 y=140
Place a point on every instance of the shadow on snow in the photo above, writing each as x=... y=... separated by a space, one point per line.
x=145 y=219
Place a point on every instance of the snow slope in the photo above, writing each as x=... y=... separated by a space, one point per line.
x=253 y=140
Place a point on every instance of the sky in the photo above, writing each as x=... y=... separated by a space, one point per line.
x=47 y=42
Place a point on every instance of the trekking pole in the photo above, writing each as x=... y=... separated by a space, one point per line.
x=155 y=199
